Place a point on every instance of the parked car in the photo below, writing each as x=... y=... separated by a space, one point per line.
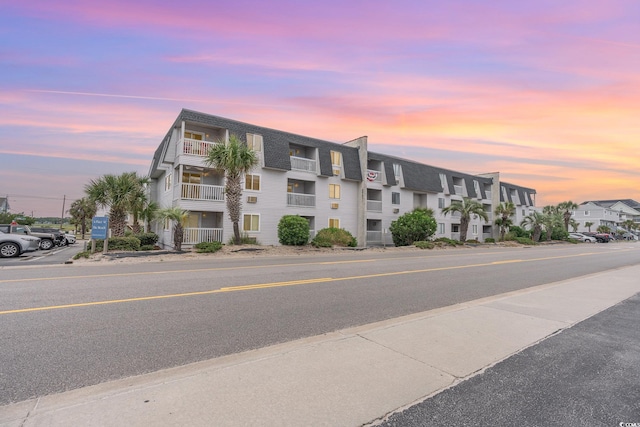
x=70 y=237
x=13 y=245
x=603 y=237
x=582 y=237
x=47 y=240
x=59 y=234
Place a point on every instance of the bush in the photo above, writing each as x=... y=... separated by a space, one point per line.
x=245 y=239
x=293 y=230
x=414 y=226
x=208 y=247
x=85 y=254
x=448 y=241
x=329 y=237
x=147 y=247
x=524 y=241
x=559 y=233
x=147 y=239
x=120 y=244
x=424 y=244
x=515 y=231
x=489 y=240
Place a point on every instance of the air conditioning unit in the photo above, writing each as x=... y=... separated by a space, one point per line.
x=252 y=199
x=396 y=210
x=334 y=205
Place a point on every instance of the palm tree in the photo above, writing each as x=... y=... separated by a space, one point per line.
x=179 y=216
x=588 y=225
x=236 y=159
x=114 y=192
x=138 y=200
x=535 y=221
x=574 y=224
x=567 y=209
x=82 y=210
x=550 y=221
x=504 y=212
x=148 y=214
x=603 y=229
x=629 y=224
x=466 y=208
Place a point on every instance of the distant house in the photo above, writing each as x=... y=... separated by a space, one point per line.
x=330 y=184
x=611 y=213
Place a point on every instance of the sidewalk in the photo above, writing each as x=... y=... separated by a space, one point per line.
x=347 y=378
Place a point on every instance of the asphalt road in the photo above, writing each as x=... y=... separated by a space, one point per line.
x=65 y=327
x=587 y=375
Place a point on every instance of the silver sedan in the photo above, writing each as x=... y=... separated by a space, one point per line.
x=12 y=245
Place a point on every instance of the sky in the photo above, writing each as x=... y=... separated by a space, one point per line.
x=547 y=93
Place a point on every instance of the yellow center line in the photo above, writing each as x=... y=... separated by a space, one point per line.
x=282 y=284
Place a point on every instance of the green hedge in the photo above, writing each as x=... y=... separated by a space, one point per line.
x=293 y=230
x=329 y=237
x=208 y=247
x=130 y=243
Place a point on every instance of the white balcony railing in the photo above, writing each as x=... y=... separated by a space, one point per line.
x=298 y=199
x=458 y=190
x=197 y=235
x=374 y=205
x=194 y=147
x=303 y=164
x=203 y=192
x=374 y=236
x=488 y=194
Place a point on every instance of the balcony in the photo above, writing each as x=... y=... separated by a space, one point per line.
x=374 y=205
x=487 y=194
x=374 y=236
x=202 y=192
x=194 y=147
x=303 y=164
x=458 y=190
x=301 y=199
x=197 y=235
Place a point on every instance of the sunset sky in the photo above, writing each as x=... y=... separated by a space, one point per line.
x=545 y=92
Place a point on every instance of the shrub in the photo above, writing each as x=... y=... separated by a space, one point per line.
x=448 y=241
x=147 y=247
x=413 y=226
x=329 y=237
x=147 y=239
x=524 y=241
x=559 y=233
x=424 y=244
x=85 y=254
x=120 y=244
x=208 y=247
x=293 y=230
x=245 y=239
x=489 y=240
x=515 y=231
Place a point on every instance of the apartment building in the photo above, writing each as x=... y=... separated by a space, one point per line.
x=329 y=184
x=611 y=213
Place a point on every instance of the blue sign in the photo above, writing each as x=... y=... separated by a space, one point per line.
x=99 y=227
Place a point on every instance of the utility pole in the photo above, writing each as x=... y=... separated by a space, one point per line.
x=64 y=199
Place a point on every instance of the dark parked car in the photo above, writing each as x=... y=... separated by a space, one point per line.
x=600 y=237
x=60 y=239
x=47 y=240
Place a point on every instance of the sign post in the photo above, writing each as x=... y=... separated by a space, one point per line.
x=99 y=230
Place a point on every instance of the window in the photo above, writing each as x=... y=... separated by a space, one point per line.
x=254 y=141
x=474 y=229
x=336 y=162
x=395 y=198
x=455 y=228
x=251 y=222
x=334 y=191
x=441 y=228
x=440 y=203
x=167 y=182
x=193 y=135
x=586 y=213
x=252 y=182
x=167 y=224
x=523 y=213
x=396 y=170
x=443 y=181
x=334 y=223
